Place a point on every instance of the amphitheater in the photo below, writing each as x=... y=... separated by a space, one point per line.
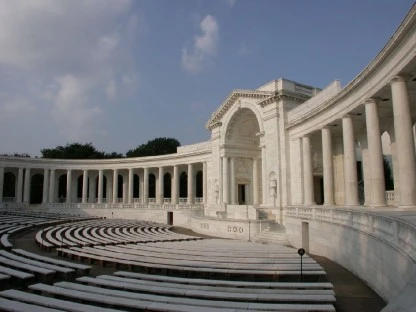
x=287 y=166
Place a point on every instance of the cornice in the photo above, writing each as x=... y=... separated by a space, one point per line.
x=406 y=27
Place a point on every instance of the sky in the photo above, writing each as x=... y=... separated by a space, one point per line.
x=118 y=73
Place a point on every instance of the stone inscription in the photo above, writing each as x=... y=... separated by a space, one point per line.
x=235 y=229
x=204 y=226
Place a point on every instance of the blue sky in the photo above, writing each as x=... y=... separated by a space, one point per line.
x=118 y=73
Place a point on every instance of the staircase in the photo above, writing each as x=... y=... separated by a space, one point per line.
x=274 y=233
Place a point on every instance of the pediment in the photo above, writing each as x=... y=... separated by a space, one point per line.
x=232 y=98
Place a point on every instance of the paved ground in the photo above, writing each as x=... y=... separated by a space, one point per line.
x=352 y=294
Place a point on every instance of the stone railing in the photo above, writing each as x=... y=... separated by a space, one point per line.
x=390 y=198
x=9 y=199
x=124 y=206
x=314 y=102
x=395 y=232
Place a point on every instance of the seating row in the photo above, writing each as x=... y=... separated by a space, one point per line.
x=104 y=292
x=106 y=232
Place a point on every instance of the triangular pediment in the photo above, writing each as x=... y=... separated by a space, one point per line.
x=231 y=99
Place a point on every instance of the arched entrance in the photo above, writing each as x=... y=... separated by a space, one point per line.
x=241 y=162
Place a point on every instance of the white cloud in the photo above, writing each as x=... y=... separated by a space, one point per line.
x=66 y=58
x=230 y=3
x=204 y=47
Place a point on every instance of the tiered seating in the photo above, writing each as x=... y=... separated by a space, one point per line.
x=207 y=258
x=180 y=294
x=106 y=232
x=187 y=273
x=12 y=222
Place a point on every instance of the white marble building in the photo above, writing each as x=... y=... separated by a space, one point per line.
x=285 y=152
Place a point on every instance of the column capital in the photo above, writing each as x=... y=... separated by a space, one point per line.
x=346 y=116
x=397 y=78
x=371 y=100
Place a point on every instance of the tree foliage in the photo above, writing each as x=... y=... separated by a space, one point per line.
x=158 y=146
x=77 y=151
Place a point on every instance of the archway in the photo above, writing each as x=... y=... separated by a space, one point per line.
x=242 y=149
x=152 y=186
x=136 y=186
x=167 y=182
x=198 y=184
x=36 y=189
x=183 y=185
x=9 y=187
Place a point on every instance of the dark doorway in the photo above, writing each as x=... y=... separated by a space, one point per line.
x=241 y=194
x=170 y=217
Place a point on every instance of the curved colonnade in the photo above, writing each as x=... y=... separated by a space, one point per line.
x=310 y=159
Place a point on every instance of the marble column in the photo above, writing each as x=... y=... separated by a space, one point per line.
x=115 y=186
x=92 y=188
x=264 y=187
x=190 y=199
x=232 y=181
x=131 y=184
x=52 y=187
x=109 y=191
x=100 y=186
x=125 y=188
x=404 y=141
x=204 y=182
x=160 y=185
x=350 y=162
x=328 y=168
x=225 y=180
x=146 y=185
x=19 y=191
x=255 y=181
x=175 y=185
x=45 y=186
x=26 y=191
x=307 y=171
x=375 y=154
x=1 y=183
x=141 y=187
x=68 y=185
x=84 y=186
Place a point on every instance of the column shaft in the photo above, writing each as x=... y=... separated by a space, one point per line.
x=204 y=182
x=146 y=185
x=131 y=184
x=84 y=186
x=375 y=154
x=232 y=181
x=161 y=194
x=190 y=199
x=255 y=181
x=307 y=171
x=115 y=186
x=350 y=163
x=328 y=168
x=100 y=186
x=26 y=191
x=68 y=185
x=175 y=188
x=52 y=187
x=226 y=182
x=404 y=142
x=45 y=186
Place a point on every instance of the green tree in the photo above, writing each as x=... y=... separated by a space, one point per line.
x=158 y=146
x=77 y=151
x=388 y=177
